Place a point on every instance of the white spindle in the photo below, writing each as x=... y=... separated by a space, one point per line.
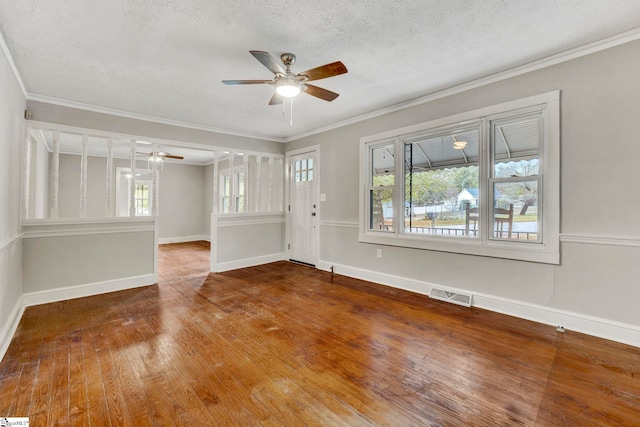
x=26 y=176
x=232 y=187
x=83 y=176
x=108 y=209
x=246 y=183
x=132 y=180
x=216 y=184
x=270 y=204
x=258 y=179
x=55 y=172
x=282 y=178
x=154 y=182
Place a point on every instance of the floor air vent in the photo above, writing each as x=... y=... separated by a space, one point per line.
x=452 y=297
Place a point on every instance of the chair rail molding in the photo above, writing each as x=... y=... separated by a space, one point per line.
x=590 y=239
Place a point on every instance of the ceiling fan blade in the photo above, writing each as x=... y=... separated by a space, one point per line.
x=324 y=71
x=276 y=99
x=170 y=156
x=268 y=61
x=321 y=93
x=245 y=82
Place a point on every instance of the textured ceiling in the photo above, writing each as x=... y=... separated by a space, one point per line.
x=166 y=58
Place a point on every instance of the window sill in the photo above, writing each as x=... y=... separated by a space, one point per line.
x=520 y=251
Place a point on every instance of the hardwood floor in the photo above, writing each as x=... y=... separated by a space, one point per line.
x=285 y=344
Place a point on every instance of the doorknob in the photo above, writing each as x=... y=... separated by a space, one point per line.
x=313 y=214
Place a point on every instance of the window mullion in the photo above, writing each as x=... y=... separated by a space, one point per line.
x=485 y=189
x=398 y=191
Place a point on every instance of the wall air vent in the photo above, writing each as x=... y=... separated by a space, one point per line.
x=452 y=297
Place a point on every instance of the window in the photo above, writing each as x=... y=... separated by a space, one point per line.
x=229 y=204
x=238 y=179
x=142 y=199
x=380 y=187
x=472 y=183
x=138 y=198
x=303 y=170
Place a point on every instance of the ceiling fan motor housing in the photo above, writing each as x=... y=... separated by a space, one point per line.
x=288 y=59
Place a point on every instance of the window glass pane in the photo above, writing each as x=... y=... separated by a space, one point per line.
x=382 y=163
x=441 y=185
x=226 y=187
x=516 y=143
x=240 y=180
x=381 y=208
x=303 y=164
x=303 y=176
x=517 y=168
x=516 y=210
x=142 y=199
x=310 y=175
x=310 y=163
x=297 y=179
x=297 y=167
x=382 y=180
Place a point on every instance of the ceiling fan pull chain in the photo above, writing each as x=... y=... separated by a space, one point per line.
x=291 y=112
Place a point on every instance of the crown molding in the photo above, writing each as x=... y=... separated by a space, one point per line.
x=12 y=64
x=568 y=55
x=114 y=112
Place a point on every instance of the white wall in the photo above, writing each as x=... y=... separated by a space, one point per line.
x=600 y=94
x=12 y=105
x=69 y=255
x=182 y=199
x=243 y=240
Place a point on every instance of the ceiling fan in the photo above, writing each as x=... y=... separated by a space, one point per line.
x=161 y=155
x=289 y=84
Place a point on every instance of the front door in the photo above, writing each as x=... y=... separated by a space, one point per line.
x=303 y=207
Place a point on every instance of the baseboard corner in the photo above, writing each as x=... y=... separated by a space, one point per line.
x=7 y=333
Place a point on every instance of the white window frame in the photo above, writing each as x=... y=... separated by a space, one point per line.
x=547 y=250
x=149 y=185
x=234 y=191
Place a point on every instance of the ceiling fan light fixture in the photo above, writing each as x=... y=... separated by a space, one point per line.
x=288 y=88
x=160 y=155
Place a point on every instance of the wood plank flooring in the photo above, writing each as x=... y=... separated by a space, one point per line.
x=284 y=344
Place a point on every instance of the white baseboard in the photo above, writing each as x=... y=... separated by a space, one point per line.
x=9 y=329
x=183 y=239
x=247 y=262
x=71 y=292
x=590 y=325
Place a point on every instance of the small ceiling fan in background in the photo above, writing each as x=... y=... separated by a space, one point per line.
x=289 y=84
x=161 y=155
x=159 y=158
